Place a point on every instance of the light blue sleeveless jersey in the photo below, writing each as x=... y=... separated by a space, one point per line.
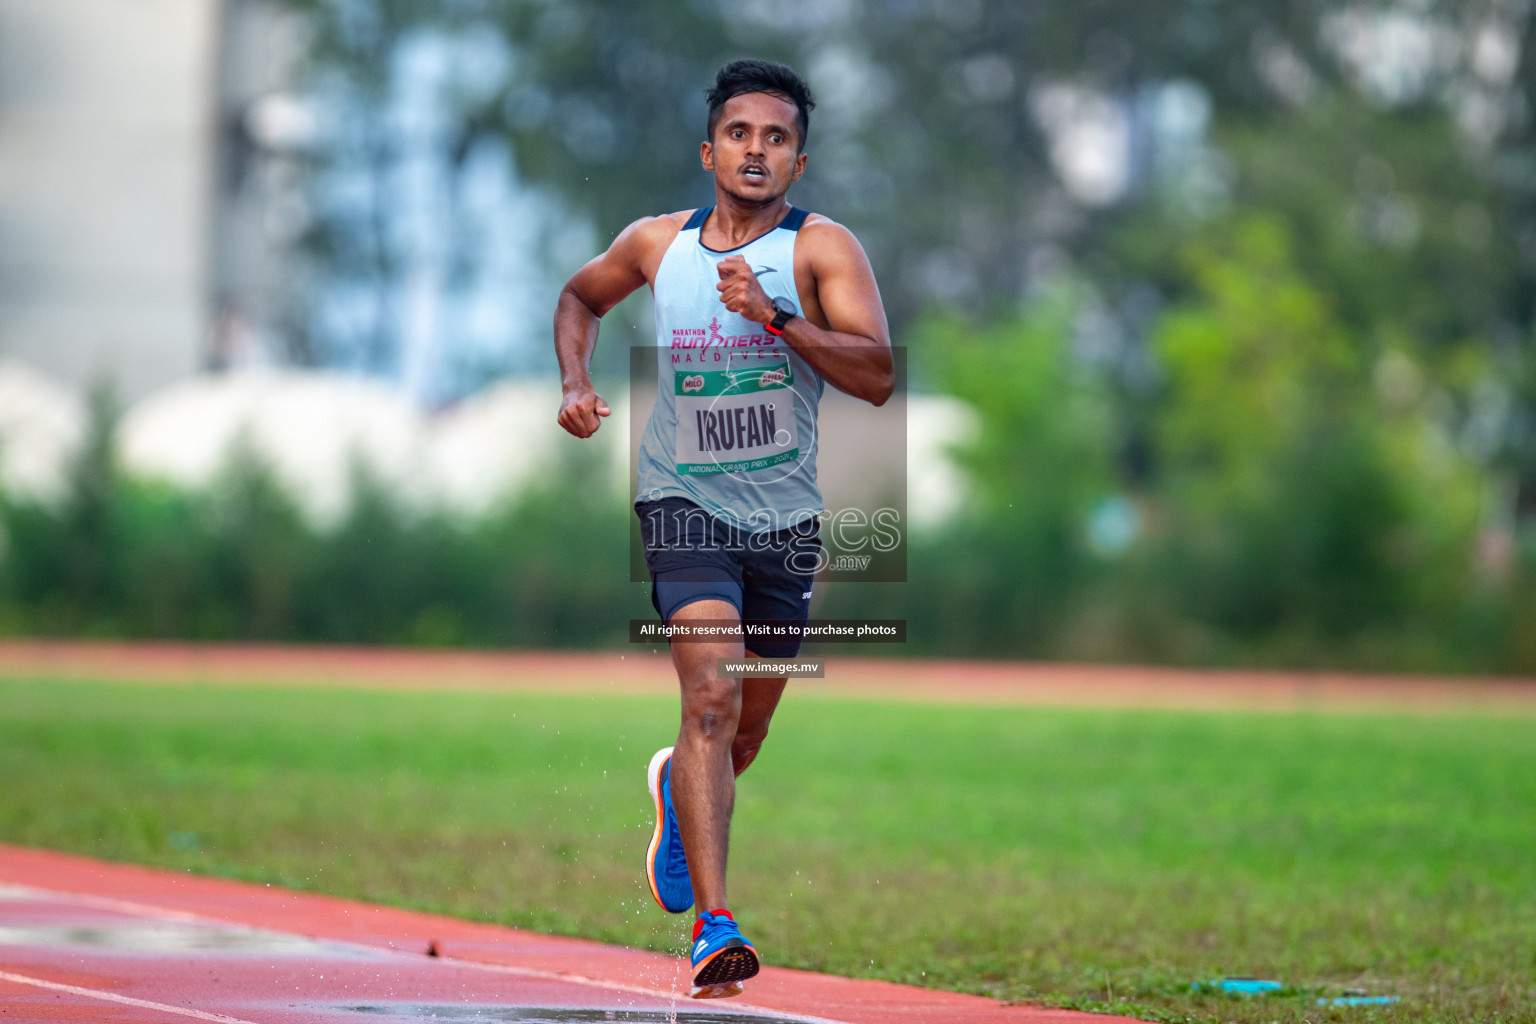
x=734 y=427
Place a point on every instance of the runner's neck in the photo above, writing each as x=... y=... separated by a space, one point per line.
x=736 y=222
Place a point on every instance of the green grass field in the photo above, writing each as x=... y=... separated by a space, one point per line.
x=1096 y=859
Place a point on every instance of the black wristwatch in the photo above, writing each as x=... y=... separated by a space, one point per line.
x=783 y=310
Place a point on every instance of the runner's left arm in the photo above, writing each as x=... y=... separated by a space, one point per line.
x=851 y=346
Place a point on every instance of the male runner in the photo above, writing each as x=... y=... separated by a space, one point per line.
x=757 y=304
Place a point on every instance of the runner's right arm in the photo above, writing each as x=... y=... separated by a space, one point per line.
x=591 y=292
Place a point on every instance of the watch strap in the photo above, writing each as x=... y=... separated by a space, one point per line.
x=781 y=317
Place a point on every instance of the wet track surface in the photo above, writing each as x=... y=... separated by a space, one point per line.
x=85 y=940
x=262 y=975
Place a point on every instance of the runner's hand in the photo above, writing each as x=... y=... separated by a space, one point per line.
x=741 y=292
x=579 y=411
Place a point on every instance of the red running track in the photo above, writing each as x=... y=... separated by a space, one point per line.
x=90 y=940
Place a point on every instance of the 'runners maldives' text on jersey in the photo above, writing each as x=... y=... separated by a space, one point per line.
x=734 y=426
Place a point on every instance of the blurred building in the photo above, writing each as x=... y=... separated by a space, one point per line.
x=258 y=211
x=124 y=170
x=105 y=160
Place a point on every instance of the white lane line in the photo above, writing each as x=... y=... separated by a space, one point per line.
x=113 y=997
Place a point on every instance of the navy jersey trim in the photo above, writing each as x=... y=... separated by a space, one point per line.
x=791 y=222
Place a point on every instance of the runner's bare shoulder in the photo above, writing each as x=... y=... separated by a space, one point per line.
x=646 y=240
x=824 y=239
x=837 y=284
x=663 y=227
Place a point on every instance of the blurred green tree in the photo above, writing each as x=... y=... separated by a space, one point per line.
x=1012 y=572
x=1295 y=498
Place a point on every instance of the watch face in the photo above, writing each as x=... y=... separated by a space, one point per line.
x=786 y=307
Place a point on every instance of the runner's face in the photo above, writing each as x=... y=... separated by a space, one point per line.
x=754 y=153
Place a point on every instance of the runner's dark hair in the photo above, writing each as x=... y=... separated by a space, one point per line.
x=751 y=75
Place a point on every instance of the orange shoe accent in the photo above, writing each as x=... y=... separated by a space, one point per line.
x=653 y=783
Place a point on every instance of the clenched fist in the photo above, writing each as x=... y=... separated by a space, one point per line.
x=741 y=292
x=579 y=411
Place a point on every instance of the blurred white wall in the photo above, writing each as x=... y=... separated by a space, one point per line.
x=106 y=150
x=315 y=428
x=42 y=424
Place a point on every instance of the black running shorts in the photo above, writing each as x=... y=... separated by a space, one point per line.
x=695 y=556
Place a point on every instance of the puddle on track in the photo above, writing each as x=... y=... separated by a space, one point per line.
x=561 y=1015
x=21 y=892
x=174 y=937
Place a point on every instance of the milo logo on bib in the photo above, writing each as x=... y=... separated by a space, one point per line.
x=735 y=420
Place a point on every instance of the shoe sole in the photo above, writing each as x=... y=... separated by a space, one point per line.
x=721 y=973
x=715 y=991
x=653 y=783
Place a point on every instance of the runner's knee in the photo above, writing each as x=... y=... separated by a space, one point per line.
x=712 y=705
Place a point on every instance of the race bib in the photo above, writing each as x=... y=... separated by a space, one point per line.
x=735 y=420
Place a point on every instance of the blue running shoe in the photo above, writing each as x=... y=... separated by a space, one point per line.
x=722 y=959
x=666 y=866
